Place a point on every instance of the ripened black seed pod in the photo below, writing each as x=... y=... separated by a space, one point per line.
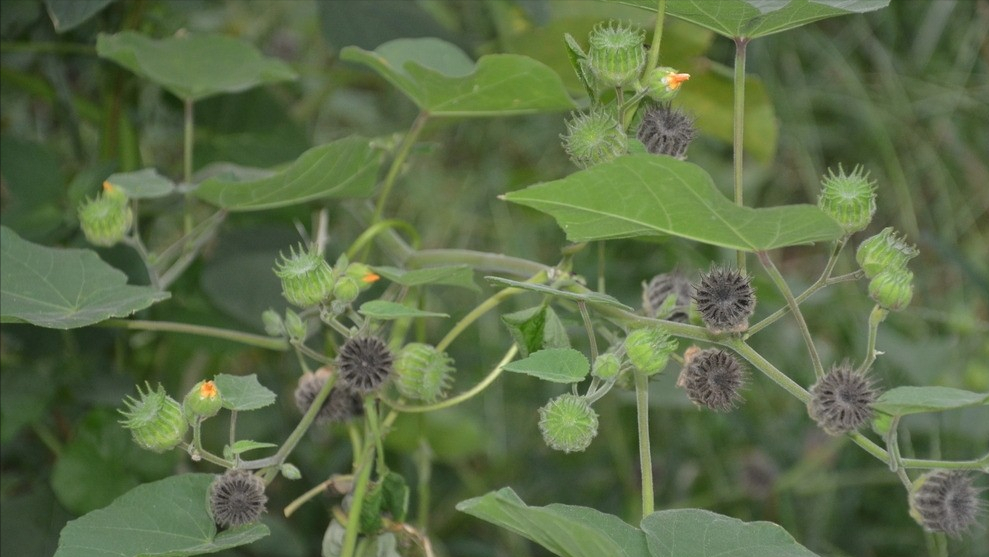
x=364 y=364
x=841 y=401
x=656 y=302
x=666 y=131
x=725 y=299
x=310 y=384
x=236 y=498
x=712 y=378
x=946 y=501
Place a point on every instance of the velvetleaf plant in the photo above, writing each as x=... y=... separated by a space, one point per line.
x=360 y=335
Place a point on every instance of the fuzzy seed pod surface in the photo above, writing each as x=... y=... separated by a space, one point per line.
x=568 y=423
x=237 y=498
x=885 y=251
x=666 y=131
x=649 y=349
x=616 y=55
x=945 y=501
x=892 y=290
x=725 y=299
x=106 y=219
x=364 y=364
x=422 y=372
x=307 y=279
x=841 y=401
x=849 y=199
x=156 y=420
x=667 y=296
x=593 y=138
x=712 y=378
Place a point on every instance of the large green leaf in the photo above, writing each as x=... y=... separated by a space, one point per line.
x=649 y=195
x=757 y=18
x=346 y=167
x=565 y=530
x=449 y=275
x=560 y=365
x=193 y=67
x=382 y=309
x=700 y=533
x=442 y=80
x=901 y=401
x=243 y=392
x=536 y=328
x=63 y=288
x=167 y=517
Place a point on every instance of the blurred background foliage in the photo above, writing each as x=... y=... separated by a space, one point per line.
x=903 y=91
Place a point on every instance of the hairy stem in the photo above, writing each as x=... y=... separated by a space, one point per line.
x=396 y=164
x=214 y=332
x=645 y=454
x=739 y=129
x=875 y=319
x=780 y=282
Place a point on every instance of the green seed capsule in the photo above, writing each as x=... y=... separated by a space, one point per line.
x=606 y=367
x=594 y=138
x=422 y=372
x=884 y=252
x=346 y=290
x=307 y=279
x=155 y=420
x=616 y=55
x=106 y=219
x=649 y=349
x=202 y=401
x=568 y=423
x=892 y=290
x=849 y=199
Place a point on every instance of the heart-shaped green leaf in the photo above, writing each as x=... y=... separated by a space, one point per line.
x=565 y=530
x=700 y=533
x=757 y=18
x=559 y=365
x=649 y=195
x=442 y=80
x=381 y=309
x=167 y=517
x=243 y=392
x=347 y=167
x=63 y=288
x=142 y=184
x=193 y=67
x=901 y=401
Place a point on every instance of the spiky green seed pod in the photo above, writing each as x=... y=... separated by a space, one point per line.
x=945 y=501
x=649 y=349
x=663 y=83
x=422 y=372
x=849 y=199
x=155 y=419
x=594 y=138
x=616 y=55
x=106 y=219
x=568 y=423
x=892 y=290
x=606 y=367
x=362 y=274
x=884 y=251
x=202 y=401
x=307 y=279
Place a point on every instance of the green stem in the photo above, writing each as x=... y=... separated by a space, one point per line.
x=466 y=395
x=780 y=282
x=42 y=47
x=657 y=37
x=739 y=129
x=481 y=309
x=214 y=332
x=602 y=265
x=875 y=318
x=206 y=455
x=589 y=327
x=376 y=229
x=768 y=369
x=477 y=260
x=396 y=164
x=187 y=141
x=360 y=489
x=645 y=454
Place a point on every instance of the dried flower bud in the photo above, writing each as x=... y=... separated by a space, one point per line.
x=725 y=299
x=892 y=290
x=841 y=401
x=666 y=131
x=667 y=296
x=884 y=252
x=307 y=279
x=712 y=379
x=568 y=423
x=649 y=349
x=422 y=372
x=616 y=55
x=106 y=219
x=594 y=138
x=663 y=83
x=202 y=401
x=364 y=363
x=155 y=420
x=945 y=501
x=236 y=498
x=606 y=366
x=849 y=199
